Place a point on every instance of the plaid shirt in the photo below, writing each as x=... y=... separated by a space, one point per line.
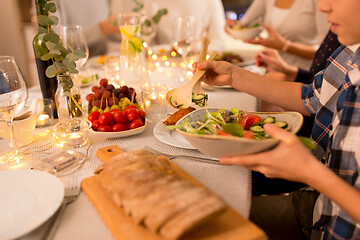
x=334 y=99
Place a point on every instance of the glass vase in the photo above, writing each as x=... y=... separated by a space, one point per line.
x=68 y=99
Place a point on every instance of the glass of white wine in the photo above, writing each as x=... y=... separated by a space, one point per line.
x=13 y=95
x=73 y=36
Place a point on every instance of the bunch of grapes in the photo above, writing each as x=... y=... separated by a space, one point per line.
x=106 y=97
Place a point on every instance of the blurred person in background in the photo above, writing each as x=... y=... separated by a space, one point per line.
x=294 y=27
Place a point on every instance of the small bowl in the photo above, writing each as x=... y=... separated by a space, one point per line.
x=245 y=33
x=219 y=146
x=73 y=132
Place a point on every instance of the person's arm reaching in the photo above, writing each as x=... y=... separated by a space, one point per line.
x=284 y=94
x=301 y=167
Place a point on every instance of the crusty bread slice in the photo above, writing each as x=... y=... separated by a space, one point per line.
x=170 y=207
x=141 y=209
x=137 y=194
x=199 y=213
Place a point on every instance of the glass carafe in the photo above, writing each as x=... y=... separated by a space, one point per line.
x=133 y=65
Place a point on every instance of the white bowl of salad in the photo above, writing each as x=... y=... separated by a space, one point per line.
x=244 y=33
x=220 y=132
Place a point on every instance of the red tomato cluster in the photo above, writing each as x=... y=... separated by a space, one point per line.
x=116 y=120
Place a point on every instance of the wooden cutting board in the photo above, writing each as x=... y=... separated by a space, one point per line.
x=229 y=226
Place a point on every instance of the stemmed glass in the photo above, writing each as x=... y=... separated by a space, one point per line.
x=73 y=36
x=13 y=95
x=184 y=34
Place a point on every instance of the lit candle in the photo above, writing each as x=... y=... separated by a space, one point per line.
x=43 y=120
x=75 y=139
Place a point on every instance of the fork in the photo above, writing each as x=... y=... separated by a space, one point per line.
x=71 y=194
x=170 y=156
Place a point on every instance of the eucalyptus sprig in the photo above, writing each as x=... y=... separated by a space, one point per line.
x=63 y=62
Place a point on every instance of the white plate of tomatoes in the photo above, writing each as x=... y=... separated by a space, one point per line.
x=116 y=123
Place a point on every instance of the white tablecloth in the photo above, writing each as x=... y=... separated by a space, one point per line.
x=232 y=183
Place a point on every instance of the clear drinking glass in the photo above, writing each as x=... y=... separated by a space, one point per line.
x=73 y=36
x=184 y=32
x=13 y=95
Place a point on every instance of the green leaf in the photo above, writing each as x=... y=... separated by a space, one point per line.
x=172 y=127
x=42 y=30
x=55 y=19
x=50 y=46
x=47 y=56
x=309 y=143
x=73 y=71
x=44 y=21
x=80 y=53
x=41 y=36
x=60 y=66
x=233 y=129
x=159 y=14
x=51 y=7
x=234 y=110
x=71 y=49
x=147 y=23
x=50 y=71
x=68 y=63
x=52 y=37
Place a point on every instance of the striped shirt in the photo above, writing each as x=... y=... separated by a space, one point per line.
x=334 y=99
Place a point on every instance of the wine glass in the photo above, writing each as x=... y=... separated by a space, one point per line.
x=148 y=30
x=184 y=32
x=13 y=95
x=73 y=36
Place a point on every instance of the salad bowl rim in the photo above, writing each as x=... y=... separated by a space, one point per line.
x=224 y=137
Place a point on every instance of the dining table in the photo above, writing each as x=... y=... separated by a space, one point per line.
x=81 y=220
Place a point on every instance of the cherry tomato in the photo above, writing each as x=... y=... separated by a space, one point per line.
x=135 y=124
x=106 y=118
x=119 y=127
x=141 y=114
x=96 y=124
x=132 y=114
x=221 y=132
x=93 y=116
x=112 y=111
x=120 y=117
x=130 y=107
x=248 y=134
x=249 y=120
x=104 y=128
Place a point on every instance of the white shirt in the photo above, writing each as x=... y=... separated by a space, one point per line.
x=303 y=23
x=210 y=13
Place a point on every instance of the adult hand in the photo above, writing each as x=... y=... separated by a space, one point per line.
x=290 y=160
x=271 y=60
x=274 y=39
x=218 y=73
x=228 y=23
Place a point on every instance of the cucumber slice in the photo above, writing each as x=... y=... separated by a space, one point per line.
x=281 y=124
x=257 y=129
x=269 y=120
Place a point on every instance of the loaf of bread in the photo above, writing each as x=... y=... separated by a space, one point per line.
x=148 y=189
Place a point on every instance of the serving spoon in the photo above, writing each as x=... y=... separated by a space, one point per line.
x=182 y=97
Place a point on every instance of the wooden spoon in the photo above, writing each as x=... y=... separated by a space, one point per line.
x=182 y=97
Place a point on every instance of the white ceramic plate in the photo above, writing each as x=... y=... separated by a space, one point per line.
x=119 y=134
x=27 y=199
x=170 y=137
